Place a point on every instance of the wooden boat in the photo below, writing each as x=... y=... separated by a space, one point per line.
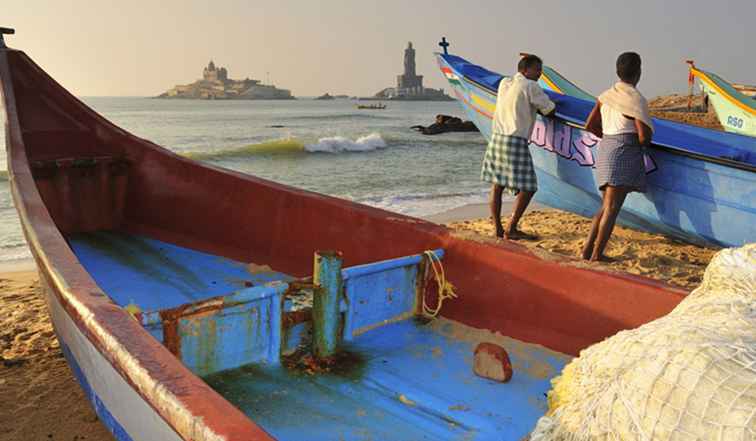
x=176 y=291
x=735 y=110
x=701 y=182
x=552 y=80
x=380 y=106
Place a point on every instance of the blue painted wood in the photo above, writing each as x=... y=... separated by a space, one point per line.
x=379 y=293
x=370 y=268
x=414 y=382
x=246 y=329
x=155 y=275
x=689 y=198
x=377 y=298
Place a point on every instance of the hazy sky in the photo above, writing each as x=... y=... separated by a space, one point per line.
x=355 y=47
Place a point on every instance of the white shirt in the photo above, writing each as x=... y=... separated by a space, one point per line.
x=516 y=105
x=613 y=122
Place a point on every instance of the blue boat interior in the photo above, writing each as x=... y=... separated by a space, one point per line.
x=670 y=134
x=249 y=331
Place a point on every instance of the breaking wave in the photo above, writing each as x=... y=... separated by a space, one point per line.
x=276 y=146
x=338 y=144
x=333 y=144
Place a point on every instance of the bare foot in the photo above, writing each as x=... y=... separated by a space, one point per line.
x=499 y=231
x=603 y=258
x=519 y=235
x=586 y=253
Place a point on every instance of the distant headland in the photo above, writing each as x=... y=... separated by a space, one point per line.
x=409 y=85
x=215 y=85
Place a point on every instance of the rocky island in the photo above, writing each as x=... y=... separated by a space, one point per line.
x=215 y=85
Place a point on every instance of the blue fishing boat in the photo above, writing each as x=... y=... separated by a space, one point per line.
x=701 y=183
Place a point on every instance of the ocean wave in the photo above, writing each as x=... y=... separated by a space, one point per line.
x=333 y=144
x=338 y=144
x=8 y=254
x=289 y=145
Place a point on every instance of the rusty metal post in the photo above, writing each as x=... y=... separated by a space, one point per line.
x=325 y=308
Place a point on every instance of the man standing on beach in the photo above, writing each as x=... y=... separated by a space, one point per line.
x=507 y=163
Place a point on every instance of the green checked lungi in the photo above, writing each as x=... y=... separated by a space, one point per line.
x=508 y=163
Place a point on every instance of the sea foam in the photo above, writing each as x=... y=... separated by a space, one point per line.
x=337 y=144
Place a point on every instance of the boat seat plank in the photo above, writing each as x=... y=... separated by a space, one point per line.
x=414 y=382
x=155 y=275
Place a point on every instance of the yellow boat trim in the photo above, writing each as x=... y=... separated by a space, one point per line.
x=487 y=105
x=551 y=84
x=703 y=77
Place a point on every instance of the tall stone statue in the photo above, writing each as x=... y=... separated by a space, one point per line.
x=409 y=61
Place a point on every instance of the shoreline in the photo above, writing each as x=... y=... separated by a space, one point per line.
x=18 y=266
x=469 y=212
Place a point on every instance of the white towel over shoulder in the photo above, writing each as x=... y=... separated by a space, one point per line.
x=625 y=98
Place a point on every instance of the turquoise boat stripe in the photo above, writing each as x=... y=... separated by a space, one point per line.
x=727 y=87
x=566 y=86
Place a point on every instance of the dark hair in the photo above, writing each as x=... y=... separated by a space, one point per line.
x=528 y=61
x=628 y=66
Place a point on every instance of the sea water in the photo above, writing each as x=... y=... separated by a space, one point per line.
x=330 y=147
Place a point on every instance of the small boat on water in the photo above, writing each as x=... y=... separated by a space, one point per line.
x=701 y=182
x=735 y=110
x=185 y=298
x=379 y=106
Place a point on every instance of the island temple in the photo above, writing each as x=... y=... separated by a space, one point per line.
x=409 y=85
x=215 y=84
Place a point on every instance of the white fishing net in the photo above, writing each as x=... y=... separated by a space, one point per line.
x=690 y=375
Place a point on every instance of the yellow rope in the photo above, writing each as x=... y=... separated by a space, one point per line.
x=445 y=288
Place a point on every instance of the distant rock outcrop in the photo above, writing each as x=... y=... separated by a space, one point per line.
x=325 y=96
x=215 y=85
x=446 y=123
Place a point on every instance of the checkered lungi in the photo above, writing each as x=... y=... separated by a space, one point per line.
x=508 y=163
x=620 y=162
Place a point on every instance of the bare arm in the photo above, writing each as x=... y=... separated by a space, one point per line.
x=644 y=132
x=550 y=113
x=593 y=124
x=540 y=100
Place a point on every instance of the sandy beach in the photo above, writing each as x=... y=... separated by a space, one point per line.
x=41 y=398
x=561 y=236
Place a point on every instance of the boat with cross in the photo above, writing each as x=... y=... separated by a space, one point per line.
x=701 y=182
x=193 y=303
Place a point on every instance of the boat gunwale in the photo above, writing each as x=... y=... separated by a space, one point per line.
x=654 y=144
x=706 y=77
x=159 y=378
